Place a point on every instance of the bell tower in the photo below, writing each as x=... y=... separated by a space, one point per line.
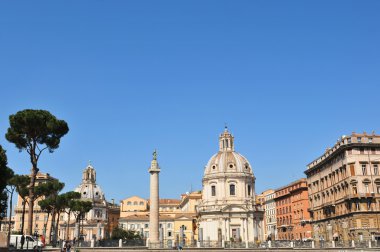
x=226 y=141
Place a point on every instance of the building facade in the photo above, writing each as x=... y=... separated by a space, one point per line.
x=344 y=189
x=94 y=224
x=270 y=221
x=41 y=220
x=228 y=210
x=177 y=217
x=293 y=218
x=113 y=217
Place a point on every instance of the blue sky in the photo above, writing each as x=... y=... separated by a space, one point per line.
x=288 y=77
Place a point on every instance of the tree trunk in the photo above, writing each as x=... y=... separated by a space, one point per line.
x=56 y=228
x=10 y=217
x=34 y=171
x=68 y=226
x=51 y=225
x=23 y=216
x=31 y=198
x=45 y=225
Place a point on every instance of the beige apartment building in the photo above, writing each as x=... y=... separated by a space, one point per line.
x=270 y=223
x=41 y=224
x=174 y=215
x=344 y=189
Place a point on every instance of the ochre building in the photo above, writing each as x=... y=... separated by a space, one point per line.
x=344 y=189
x=293 y=218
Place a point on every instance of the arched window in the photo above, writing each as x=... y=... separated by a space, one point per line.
x=129 y=203
x=213 y=190
x=232 y=190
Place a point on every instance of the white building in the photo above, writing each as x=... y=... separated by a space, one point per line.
x=95 y=221
x=270 y=214
x=228 y=211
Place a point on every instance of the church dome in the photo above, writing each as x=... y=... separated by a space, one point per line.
x=227 y=160
x=88 y=188
x=228 y=177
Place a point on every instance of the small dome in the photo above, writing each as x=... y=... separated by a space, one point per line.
x=88 y=188
x=227 y=160
x=224 y=162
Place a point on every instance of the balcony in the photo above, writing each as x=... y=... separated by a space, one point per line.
x=360 y=195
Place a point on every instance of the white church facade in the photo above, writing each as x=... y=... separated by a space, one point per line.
x=228 y=210
x=94 y=224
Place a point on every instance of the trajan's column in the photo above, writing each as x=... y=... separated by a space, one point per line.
x=154 y=199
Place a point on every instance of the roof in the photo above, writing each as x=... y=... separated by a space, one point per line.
x=168 y=201
x=145 y=217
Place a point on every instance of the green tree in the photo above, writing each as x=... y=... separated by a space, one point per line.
x=21 y=182
x=51 y=190
x=79 y=209
x=35 y=131
x=6 y=174
x=60 y=206
x=70 y=204
x=119 y=233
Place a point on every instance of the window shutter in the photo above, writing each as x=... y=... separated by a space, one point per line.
x=352 y=169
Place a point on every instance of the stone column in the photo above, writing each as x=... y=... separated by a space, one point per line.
x=154 y=200
x=246 y=230
x=228 y=229
x=225 y=238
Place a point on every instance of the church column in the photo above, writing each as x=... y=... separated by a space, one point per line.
x=225 y=229
x=246 y=230
x=228 y=229
x=242 y=231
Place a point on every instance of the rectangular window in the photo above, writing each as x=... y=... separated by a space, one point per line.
x=364 y=169
x=213 y=191
x=366 y=186
x=357 y=206
x=232 y=189
x=375 y=169
x=355 y=189
x=359 y=139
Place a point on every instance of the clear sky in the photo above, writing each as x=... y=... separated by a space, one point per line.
x=288 y=77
